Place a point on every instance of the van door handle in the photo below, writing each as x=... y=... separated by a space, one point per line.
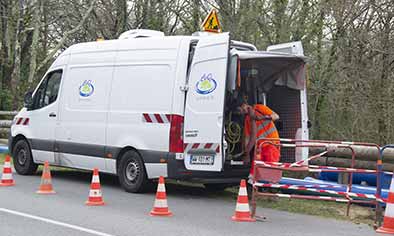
x=52 y=114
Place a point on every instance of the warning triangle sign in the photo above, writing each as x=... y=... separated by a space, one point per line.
x=211 y=22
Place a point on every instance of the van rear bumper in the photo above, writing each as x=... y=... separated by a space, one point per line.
x=230 y=174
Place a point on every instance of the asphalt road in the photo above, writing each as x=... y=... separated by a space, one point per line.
x=22 y=212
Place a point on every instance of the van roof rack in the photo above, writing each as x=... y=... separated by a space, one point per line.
x=140 y=33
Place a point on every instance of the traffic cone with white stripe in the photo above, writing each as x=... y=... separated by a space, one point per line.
x=95 y=196
x=46 y=181
x=242 y=212
x=6 y=178
x=160 y=207
x=388 y=221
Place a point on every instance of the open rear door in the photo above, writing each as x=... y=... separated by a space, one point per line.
x=203 y=127
x=302 y=133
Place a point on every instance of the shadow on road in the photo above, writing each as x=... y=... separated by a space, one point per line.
x=175 y=188
x=82 y=176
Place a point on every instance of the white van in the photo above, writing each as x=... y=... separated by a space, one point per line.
x=147 y=105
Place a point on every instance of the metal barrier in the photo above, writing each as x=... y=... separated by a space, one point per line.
x=380 y=172
x=301 y=166
x=5 y=124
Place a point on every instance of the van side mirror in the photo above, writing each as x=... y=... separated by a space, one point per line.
x=309 y=124
x=28 y=100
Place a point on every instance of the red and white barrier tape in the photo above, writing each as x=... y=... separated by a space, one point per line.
x=315 y=168
x=156 y=118
x=301 y=162
x=211 y=146
x=302 y=188
x=347 y=169
x=326 y=198
x=305 y=186
x=22 y=120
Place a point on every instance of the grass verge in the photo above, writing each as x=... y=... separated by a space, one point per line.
x=358 y=214
x=2 y=157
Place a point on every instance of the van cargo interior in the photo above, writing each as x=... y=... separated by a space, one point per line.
x=263 y=78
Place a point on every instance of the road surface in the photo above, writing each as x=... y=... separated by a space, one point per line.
x=22 y=212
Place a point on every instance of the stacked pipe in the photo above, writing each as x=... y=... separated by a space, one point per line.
x=366 y=157
x=5 y=122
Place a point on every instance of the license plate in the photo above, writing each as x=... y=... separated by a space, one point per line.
x=202 y=160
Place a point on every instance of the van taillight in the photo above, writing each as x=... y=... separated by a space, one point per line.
x=176 y=134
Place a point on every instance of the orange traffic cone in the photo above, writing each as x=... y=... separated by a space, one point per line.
x=160 y=207
x=388 y=221
x=242 y=212
x=95 y=196
x=46 y=181
x=6 y=178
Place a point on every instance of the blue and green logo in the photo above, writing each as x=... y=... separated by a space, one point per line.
x=206 y=85
x=86 y=89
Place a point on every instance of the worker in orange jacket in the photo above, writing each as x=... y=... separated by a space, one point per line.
x=259 y=125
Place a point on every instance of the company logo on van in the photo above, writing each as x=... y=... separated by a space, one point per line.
x=86 y=89
x=206 y=85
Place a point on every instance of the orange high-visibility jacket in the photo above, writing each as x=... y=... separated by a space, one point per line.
x=265 y=128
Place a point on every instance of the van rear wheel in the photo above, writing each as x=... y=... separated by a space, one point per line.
x=131 y=172
x=23 y=159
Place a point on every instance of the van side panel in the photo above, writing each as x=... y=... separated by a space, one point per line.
x=141 y=101
x=80 y=137
x=139 y=90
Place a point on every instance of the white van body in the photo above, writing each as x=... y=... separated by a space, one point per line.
x=134 y=94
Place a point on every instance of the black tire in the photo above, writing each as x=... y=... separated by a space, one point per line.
x=216 y=187
x=23 y=159
x=131 y=172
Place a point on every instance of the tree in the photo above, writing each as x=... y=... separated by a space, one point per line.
x=349 y=43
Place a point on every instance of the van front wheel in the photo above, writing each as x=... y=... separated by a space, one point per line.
x=131 y=172
x=23 y=160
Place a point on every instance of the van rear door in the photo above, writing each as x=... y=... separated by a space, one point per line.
x=302 y=133
x=203 y=127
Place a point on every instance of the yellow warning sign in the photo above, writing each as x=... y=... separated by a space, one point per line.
x=211 y=22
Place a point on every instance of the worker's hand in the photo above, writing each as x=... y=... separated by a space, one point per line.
x=244 y=109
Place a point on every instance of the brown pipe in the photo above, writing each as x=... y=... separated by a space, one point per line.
x=362 y=153
x=346 y=162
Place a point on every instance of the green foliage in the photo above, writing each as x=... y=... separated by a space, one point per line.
x=349 y=43
x=6 y=99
